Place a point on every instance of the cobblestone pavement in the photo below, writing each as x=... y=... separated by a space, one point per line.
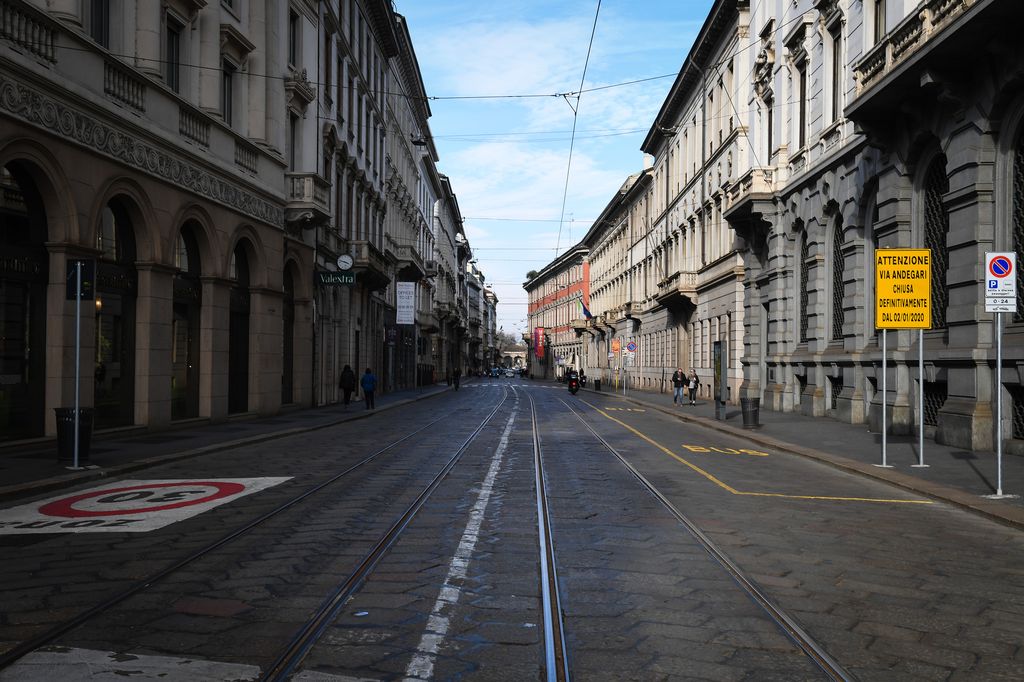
x=894 y=582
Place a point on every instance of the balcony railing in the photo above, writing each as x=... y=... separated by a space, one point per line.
x=370 y=265
x=922 y=25
x=308 y=197
x=29 y=29
x=754 y=181
x=409 y=258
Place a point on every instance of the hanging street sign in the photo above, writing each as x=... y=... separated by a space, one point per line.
x=405 y=300
x=1000 y=282
x=903 y=289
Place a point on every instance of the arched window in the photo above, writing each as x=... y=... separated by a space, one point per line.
x=936 y=227
x=838 y=267
x=804 y=276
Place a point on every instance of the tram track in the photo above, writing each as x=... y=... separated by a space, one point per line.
x=814 y=651
x=52 y=634
x=309 y=633
x=556 y=658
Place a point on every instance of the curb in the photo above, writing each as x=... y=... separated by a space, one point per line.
x=989 y=509
x=25 y=490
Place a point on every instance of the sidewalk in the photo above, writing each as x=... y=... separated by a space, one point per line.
x=954 y=475
x=28 y=469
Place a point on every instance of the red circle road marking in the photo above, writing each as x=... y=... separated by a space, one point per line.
x=65 y=507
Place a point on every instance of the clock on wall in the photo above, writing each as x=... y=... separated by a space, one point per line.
x=344 y=261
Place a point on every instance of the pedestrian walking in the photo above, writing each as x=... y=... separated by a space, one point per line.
x=456 y=374
x=347 y=384
x=369 y=385
x=679 y=382
x=694 y=384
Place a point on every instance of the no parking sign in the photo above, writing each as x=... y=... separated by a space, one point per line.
x=1000 y=282
x=128 y=506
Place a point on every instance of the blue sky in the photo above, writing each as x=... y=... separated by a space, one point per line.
x=507 y=157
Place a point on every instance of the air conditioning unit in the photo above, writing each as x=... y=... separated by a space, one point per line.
x=431 y=268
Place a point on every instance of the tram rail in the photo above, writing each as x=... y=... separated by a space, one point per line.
x=52 y=634
x=556 y=659
x=786 y=623
x=310 y=632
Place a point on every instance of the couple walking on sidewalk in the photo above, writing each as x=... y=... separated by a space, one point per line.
x=681 y=381
x=347 y=384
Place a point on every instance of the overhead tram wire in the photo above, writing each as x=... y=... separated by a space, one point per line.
x=575 y=118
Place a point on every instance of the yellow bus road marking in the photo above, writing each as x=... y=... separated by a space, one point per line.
x=725 y=486
x=725 y=451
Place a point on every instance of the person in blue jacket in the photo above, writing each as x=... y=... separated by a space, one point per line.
x=369 y=385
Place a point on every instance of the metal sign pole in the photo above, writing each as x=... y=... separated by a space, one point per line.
x=999 y=405
x=884 y=465
x=920 y=400
x=78 y=354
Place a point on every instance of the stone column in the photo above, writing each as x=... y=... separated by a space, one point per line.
x=154 y=309
x=266 y=326
x=213 y=348
x=147 y=37
x=209 y=73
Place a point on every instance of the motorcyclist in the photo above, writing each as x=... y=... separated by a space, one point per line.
x=573 y=380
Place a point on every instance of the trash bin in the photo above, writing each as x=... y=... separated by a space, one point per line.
x=66 y=434
x=751 y=408
x=597 y=384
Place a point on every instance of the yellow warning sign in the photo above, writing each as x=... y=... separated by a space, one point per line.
x=903 y=288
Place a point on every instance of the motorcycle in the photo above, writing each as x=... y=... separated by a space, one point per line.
x=574 y=385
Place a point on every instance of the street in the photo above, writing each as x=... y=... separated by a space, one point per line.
x=698 y=555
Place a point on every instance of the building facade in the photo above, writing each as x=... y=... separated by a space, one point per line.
x=887 y=138
x=556 y=299
x=797 y=139
x=251 y=194
x=143 y=141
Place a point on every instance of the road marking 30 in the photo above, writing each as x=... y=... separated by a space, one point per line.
x=132 y=506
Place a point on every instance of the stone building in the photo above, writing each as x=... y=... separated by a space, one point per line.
x=250 y=191
x=797 y=139
x=153 y=142
x=874 y=131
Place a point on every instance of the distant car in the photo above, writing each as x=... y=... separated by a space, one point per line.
x=510 y=373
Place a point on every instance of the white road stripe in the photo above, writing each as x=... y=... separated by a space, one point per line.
x=421 y=667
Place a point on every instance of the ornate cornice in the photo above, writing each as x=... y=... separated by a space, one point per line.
x=36 y=108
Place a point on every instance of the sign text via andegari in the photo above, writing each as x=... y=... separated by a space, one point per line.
x=903 y=288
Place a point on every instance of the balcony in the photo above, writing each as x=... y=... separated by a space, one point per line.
x=623 y=312
x=409 y=263
x=308 y=199
x=757 y=184
x=429 y=324
x=678 y=291
x=919 y=61
x=370 y=265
